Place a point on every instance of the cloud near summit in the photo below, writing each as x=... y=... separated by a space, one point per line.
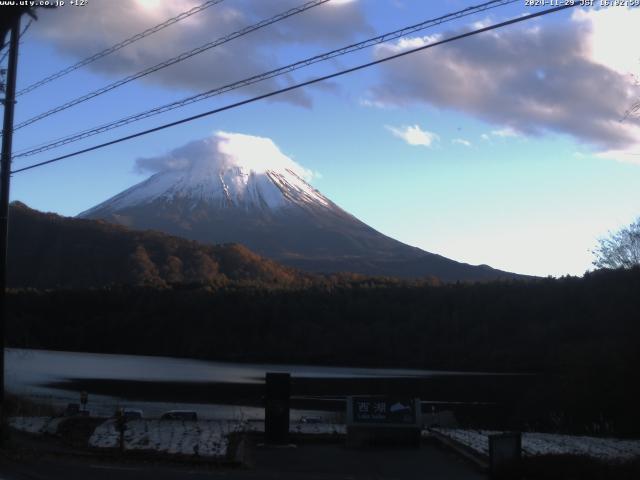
x=224 y=150
x=540 y=78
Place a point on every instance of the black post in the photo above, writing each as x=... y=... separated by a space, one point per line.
x=276 y=412
x=121 y=426
x=5 y=177
x=505 y=455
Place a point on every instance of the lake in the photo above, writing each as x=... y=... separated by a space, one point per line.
x=153 y=383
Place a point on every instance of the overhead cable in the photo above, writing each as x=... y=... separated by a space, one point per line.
x=261 y=77
x=118 y=46
x=173 y=61
x=404 y=53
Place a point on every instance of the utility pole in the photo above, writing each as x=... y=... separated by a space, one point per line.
x=5 y=179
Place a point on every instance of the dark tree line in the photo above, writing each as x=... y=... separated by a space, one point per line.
x=581 y=334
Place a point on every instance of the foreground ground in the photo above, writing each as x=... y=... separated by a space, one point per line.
x=85 y=447
x=305 y=461
x=214 y=439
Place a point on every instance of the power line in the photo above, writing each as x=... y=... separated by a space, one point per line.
x=118 y=46
x=174 y=60
x=4 y=55
x=635 y=109
x=24 y=30
x=300 y=85
x=261 y=77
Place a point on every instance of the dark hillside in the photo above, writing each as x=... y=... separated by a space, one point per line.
x=51 y=251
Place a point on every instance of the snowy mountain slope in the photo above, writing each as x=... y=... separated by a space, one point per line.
x=222 y=186
x=238 y=188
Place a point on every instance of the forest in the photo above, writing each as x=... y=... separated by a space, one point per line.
x=579 y=336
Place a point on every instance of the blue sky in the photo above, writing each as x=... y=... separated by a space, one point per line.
x=506 y=149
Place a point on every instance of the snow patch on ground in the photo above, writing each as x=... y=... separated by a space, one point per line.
x=205 y=438
x=36 y=425
x=320 y=428
x=534 y=444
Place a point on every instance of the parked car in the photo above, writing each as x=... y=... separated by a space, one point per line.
x=132 y=414
x=310 y=419
x=179 y=415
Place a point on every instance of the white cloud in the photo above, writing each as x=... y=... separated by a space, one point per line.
x=365 y=102
x=523 y=81
x=506 y=132
x=225 y=150
x=81 y=32
x=414 y=135
x=481 y=23
x=613 y=32
x=461 y=141
x=624 y=156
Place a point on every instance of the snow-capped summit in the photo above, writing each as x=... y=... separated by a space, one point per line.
x=225 y=170
x=240 y=188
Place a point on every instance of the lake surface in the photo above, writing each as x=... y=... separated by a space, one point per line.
x=32 y=373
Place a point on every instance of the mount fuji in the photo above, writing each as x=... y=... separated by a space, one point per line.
x=235 y=188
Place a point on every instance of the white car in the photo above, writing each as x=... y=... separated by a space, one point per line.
x=179 y=415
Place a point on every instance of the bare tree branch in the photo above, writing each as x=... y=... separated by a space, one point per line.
x=620 y=249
